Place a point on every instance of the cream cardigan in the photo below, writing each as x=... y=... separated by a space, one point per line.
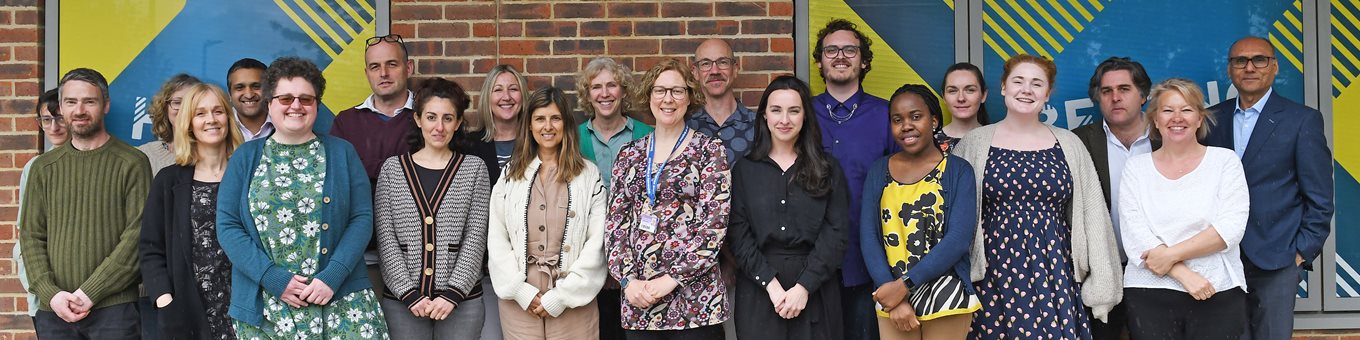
x=1095 y=255
x=582 y=263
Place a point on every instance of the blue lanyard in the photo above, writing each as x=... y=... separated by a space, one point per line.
x=653 y=171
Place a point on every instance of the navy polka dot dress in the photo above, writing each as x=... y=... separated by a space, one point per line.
x=1028 y=291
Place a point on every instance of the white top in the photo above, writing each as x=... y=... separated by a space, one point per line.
x=1117 y=156
x=1155 y=210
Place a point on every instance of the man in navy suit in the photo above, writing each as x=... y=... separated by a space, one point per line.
x=1289 y=175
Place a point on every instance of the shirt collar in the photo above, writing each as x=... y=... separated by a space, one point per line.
x=627 y=125
x=1255 y=109
x=1109 y=134
x=740 y=114
x=368 y=103
x=268 y=122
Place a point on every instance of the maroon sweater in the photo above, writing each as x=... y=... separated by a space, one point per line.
x=374 y=138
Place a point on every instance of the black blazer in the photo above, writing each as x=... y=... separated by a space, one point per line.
x=1289 y=174
x=1093 y=136
x=166 y=246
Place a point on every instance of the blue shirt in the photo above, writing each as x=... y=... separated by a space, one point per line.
x=738 y=133
x=857 y=133
x=1244 y=122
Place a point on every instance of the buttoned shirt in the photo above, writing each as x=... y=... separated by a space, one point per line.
x=856 y=133
x=265 y=130
x=738 y=132
x=1244 y=122
x=1117 y=155
x=607 y=149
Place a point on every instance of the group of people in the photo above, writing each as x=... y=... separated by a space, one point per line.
x=674 y=211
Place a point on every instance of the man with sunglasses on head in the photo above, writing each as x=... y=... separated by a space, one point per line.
x=855 y=130
x=723 y=115
x=378 y=127
x=244 y=85
x=1288 y=166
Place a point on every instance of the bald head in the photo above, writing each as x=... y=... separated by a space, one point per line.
x=715 y=67
x=1252 y=67
x=1252 y=42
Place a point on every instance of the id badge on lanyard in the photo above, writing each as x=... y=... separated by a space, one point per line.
x=648 y=221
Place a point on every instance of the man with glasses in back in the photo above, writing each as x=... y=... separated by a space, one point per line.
x=244 y=85
x=82 y=218
x=723 y=115
x=1288 y=165
x=855 y=130
x=378 y=127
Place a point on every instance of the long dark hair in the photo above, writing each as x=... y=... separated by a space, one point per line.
x=982 y=117
x=814 y=172
x=569 y=160
x=932 y=104
x=432 y=88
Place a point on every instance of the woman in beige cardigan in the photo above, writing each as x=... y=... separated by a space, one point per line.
x=1045 y=232
x=547 y=229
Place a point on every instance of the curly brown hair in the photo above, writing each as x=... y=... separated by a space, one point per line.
x=160 y=105
x=642 y=96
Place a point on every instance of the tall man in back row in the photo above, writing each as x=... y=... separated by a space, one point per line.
x=855 y=131
x=1289 y=176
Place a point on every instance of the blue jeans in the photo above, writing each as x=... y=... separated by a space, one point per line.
x=858 y=304
x=1270 y=301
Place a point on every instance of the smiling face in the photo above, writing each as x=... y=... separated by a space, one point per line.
x=717 y=81
x=1251 y=79
x=295 y=119
x=209 y=122
x=606 y=94
x=83 y=106
x=784 y=116
x=669 y=98
x=1177 y=121
x=837 y=68
x=438 y=123
x=505 y=97
x=1026 y=89
x=964 y=94
x=1120 y=101
x=246 y=91
x=545 y=123
x=387 y=69
x=55 y=130
x=912 y=124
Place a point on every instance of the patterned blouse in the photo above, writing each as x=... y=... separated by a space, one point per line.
x=691 y=210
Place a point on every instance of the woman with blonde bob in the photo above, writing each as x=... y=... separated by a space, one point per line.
x=182 y=265
x=547 y=219
x=1183 y=211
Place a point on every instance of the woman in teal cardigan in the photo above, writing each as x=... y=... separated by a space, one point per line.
x=295 y=213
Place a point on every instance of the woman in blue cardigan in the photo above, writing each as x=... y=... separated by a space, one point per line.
x=294 y=216
x=919 y=206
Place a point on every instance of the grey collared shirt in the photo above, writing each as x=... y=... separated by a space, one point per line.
x=738 y=133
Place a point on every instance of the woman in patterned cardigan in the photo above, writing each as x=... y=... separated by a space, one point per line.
x=430 y=213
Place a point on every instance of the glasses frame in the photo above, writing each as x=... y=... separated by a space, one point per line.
x=47 y=122
x=841 y=51
x=706 y=65
x=288 y=99
x=676 y=93
x=392 y=38
x=1258 y=60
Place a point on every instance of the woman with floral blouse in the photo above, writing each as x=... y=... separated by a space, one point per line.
x=668 y=216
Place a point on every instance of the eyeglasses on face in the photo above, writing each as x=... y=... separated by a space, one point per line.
x=847 y=51
x=723 y=63
x=1259 y=61
x=392 y=38
x=287 y=99
x=677 y=93
x=50 y=121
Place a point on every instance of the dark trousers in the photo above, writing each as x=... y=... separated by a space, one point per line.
x=1270 y=303
x=1113 y=330
x=121 y=321
x=1166 y=314
x=714 y=332
x=611 y=327
x=151 y=329
x=860 y=322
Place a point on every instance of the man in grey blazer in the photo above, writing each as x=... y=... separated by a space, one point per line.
x=1119 y=87
x=1288 y=165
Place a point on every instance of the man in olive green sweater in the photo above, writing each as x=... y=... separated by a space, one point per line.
x=82 y=219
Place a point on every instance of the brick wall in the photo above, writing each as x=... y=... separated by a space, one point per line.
x=551 y=40
x=20 y=76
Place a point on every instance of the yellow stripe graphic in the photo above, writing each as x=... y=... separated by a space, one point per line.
x=335 y=38
x=1023 y=34
x=1006 y=37
x=1286 y=52
x=306 y=29
x=335 y=16
x=1067 y=15
x=366 y=7
x=1051 y=21
x=1082 y=10
x=1036 y=26
x=349 y=9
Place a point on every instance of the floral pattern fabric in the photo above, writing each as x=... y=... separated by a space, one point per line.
x=691 y=209
x=912 y=220
x=211 y=267
x=285 y=197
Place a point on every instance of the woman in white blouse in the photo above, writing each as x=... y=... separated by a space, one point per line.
x=1183 y=210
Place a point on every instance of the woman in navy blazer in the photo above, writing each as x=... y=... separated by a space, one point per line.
x=345 y=216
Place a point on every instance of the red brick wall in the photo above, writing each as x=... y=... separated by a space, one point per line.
x=551 y=40
x=20 y=77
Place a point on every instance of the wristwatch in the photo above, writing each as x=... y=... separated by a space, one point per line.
x=623 y=283
x=906 y=280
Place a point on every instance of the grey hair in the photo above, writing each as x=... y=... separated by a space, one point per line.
x=89 y=76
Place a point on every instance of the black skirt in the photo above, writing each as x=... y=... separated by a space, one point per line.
x=756 y=318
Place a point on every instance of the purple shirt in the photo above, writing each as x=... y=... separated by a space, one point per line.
x=375 y=135
x=857 y=133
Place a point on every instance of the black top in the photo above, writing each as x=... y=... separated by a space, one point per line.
x=773 y=216
x=474 y=146
x=429 y=179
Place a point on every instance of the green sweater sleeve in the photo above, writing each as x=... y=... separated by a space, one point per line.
x=119 y=269
x=33 y=239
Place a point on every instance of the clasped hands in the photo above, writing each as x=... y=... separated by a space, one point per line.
x=892 y=296
x=302 y=293
x=71 y=307
x=433 y=308
x=1163 y=261
x=645 y=293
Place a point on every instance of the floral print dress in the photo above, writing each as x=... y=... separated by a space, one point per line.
x=211 y=267
x=285 y=196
